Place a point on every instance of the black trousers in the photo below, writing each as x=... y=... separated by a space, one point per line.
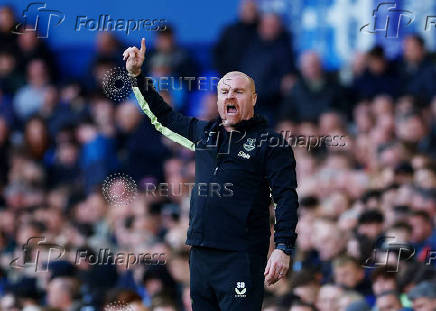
x=226 y=280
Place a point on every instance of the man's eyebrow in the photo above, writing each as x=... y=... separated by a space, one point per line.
x=234 y=88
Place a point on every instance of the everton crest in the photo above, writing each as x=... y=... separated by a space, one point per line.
x=250 y=144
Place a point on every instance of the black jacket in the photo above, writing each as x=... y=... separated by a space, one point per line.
x=235 y=174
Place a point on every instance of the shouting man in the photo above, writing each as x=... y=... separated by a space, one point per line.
x=229 y=231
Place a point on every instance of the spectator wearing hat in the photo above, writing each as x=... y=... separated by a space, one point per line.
x=423 y=296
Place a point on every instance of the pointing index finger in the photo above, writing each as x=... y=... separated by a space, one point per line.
x=142 y=50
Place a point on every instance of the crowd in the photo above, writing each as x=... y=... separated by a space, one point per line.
x=367 y=234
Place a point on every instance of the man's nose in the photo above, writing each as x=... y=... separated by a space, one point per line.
x=230 y=94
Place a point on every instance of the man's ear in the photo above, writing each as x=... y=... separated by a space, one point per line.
x=254 y=99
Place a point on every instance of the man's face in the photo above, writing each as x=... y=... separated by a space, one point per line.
x=382 y=284
x=412 y=50
x=388 y=303
x=236 y=99
x=370 y=230
x=420 y=229
x=307 y=293
x=424 y=304
x=329 y=298
x=348 y=275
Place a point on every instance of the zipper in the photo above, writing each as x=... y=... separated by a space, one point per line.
x=216 y=170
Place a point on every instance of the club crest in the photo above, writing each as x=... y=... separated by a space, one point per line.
x=250 y=144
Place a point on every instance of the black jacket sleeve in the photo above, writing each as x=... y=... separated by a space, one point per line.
x=281 y=175
x=182 y=129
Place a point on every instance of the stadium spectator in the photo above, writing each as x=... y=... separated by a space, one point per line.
x=350 y=275
x=29 y=99
x=232 y=42
x=423 y=296
x=329 y=297
x=313 y=93
x=267 y=59
x=388 y=301
x=378 y=79
x=61 y=294
x=416 y=70
x=8 y=40
x=177 y=61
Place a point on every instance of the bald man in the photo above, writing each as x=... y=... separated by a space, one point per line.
x=239 y=163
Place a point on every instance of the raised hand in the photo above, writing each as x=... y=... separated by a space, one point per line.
x=134 y=58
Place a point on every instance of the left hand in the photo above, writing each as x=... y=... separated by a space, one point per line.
x=277 y=267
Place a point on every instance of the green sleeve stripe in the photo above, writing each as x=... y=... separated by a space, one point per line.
x=164 y=130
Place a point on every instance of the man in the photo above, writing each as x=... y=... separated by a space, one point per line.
x=61 y=292
x=299 y=305
x=388 y=301
x=233 y=41
x=423 y=235
x=229 y=234
x=415 y=69
x=313 y=94
x=423 y=296
x=329 y=297
x=348 y=273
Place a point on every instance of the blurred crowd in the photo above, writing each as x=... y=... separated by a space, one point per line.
x=367 y=235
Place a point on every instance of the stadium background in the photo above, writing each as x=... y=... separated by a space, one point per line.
x=63 y=143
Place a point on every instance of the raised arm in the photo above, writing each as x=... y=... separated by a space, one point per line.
x=177 y=127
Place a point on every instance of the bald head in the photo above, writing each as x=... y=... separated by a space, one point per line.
x=236 y=98
x=235 y=74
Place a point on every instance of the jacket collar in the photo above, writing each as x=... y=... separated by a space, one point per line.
x=257 y=121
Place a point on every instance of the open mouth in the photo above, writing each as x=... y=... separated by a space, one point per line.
x=231 y=109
